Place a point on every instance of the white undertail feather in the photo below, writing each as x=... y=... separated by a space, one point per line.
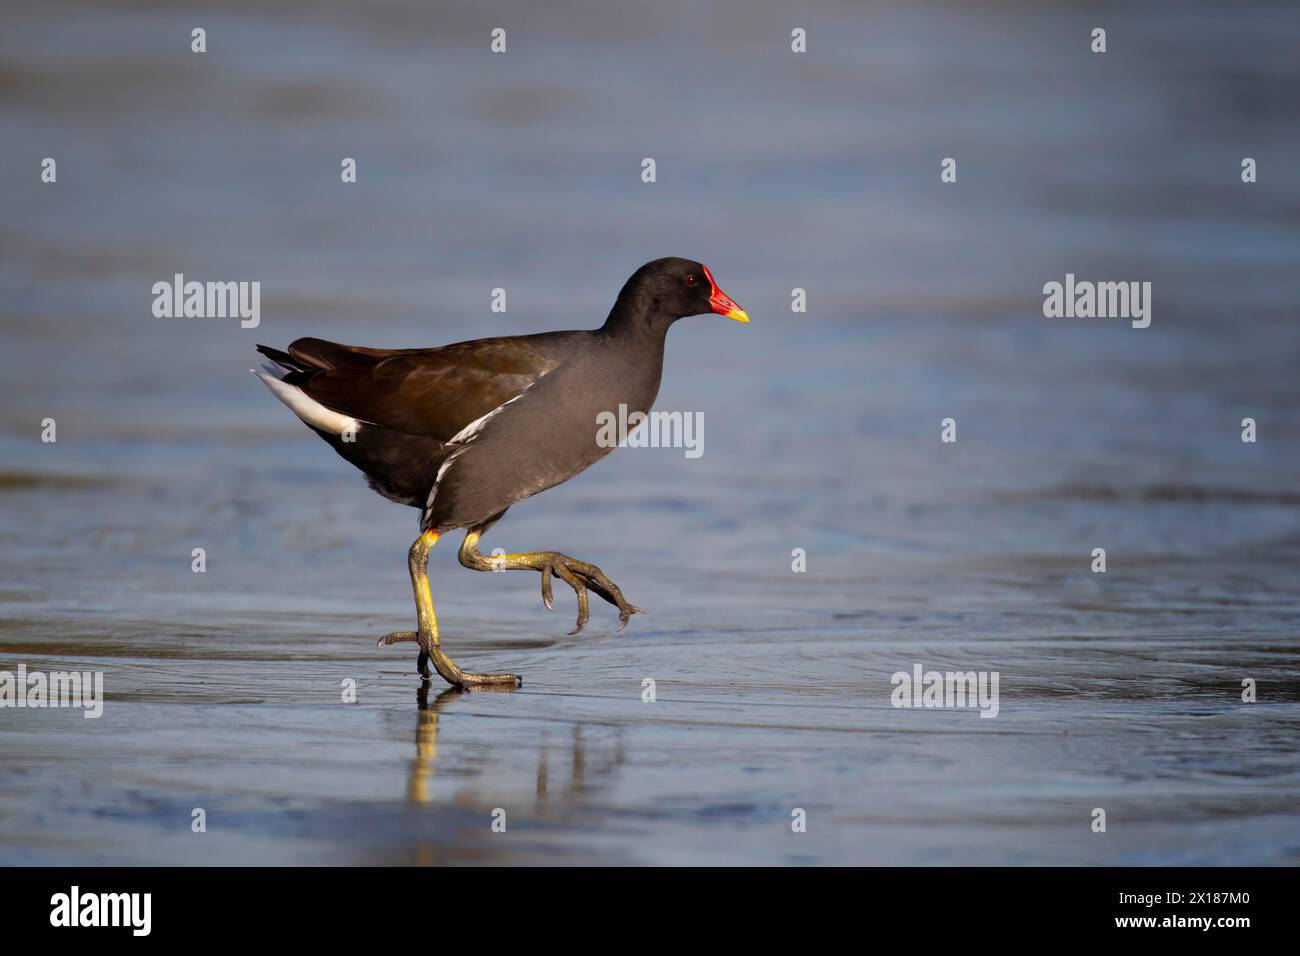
x=307 y=408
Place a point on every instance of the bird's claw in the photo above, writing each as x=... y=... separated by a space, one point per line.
x=582 y=576
x=625 y=614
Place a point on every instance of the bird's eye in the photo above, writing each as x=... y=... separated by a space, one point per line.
x=690 y=280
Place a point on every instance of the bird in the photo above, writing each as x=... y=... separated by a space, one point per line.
x=465 y=431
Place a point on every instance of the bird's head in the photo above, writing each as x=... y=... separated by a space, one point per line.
x=674 y=288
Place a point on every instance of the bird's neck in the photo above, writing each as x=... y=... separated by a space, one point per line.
x=636 y=318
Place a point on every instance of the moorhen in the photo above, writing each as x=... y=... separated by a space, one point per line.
x=464 y=431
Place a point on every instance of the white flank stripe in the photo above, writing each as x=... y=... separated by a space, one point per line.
x=462 y=438
x=473 y=428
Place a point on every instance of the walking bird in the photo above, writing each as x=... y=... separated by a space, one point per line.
x=465 y=431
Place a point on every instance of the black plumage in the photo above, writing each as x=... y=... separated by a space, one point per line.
x=524 y=408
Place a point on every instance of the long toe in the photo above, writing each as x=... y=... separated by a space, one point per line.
x=492 y=680
x=548 y=598
x=563 y=572
x=584 y=611
x=398 y=637
x=598 y=581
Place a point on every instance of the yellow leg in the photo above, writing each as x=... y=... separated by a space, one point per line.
x=427 y=621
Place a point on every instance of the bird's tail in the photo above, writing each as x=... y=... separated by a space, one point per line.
x=286 y=361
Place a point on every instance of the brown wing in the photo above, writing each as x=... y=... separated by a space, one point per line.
x=433 y=392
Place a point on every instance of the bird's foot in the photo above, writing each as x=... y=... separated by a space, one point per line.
x=444 y=665
x=580 y=576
